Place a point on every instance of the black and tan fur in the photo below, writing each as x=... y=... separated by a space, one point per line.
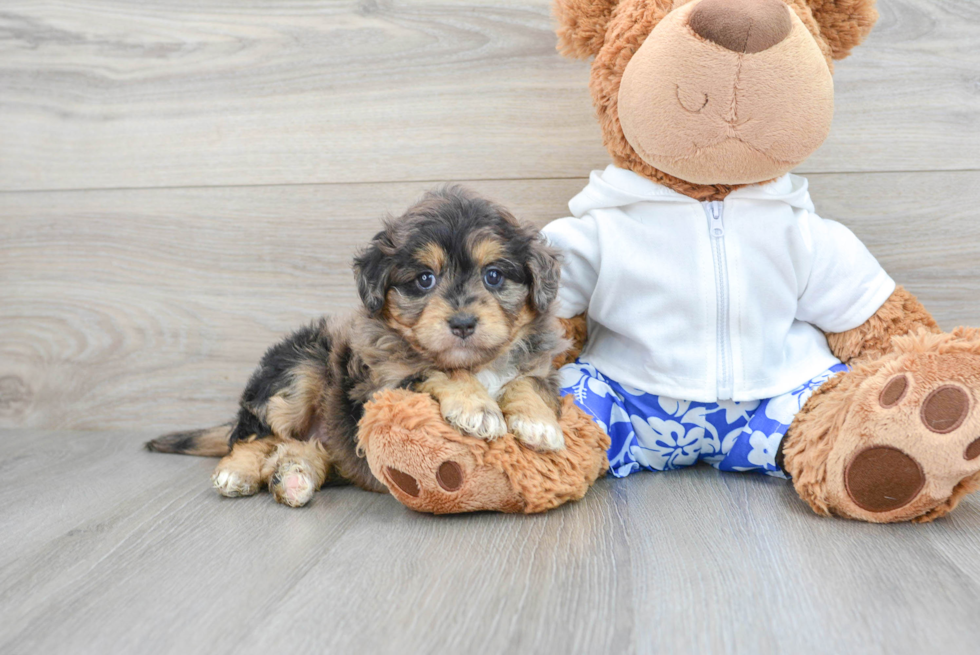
x=297 y=424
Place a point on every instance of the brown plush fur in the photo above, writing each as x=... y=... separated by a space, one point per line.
x=626 y=28
x=844 y=24
x=838 y=419
x=966 y=487
x=576 y=330
x=582 y=26
x=805 y=449
x=901 y=314
x=631 y=23
x=406 y=442
x=845 y=416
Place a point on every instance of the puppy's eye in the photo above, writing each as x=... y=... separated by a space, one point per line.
x=493 y=278
x=425 y=281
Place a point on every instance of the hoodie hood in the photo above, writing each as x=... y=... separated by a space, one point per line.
x=617 y=187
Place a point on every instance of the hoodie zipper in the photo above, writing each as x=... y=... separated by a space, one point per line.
x=715 y=211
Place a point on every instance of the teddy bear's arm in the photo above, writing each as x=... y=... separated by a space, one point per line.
x=576 y=330
x=901 y=314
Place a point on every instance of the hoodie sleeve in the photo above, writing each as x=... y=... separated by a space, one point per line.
x=846 y=284
x=577 y=240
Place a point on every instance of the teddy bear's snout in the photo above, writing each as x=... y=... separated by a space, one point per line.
x=742 y=26
x=726 y=92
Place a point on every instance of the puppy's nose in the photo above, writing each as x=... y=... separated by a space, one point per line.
x=744 y=26
x=462 y=325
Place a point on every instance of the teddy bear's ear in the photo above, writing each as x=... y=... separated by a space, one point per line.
x=844 y=23
x=582 y=25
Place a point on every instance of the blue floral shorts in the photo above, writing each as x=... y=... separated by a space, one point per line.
x=657 y=433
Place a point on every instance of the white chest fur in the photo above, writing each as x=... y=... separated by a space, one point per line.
x=494 y=379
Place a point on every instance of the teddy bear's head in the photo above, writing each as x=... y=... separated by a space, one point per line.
x=708 y=95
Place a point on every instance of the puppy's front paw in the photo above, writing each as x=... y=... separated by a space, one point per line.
x=233 y=484
x=539 y=434
x=476 y=417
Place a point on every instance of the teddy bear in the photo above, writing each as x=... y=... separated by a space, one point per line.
x=726 y=321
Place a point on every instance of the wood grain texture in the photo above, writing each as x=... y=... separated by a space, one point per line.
x=110 y=93
x=141 y=295
x=149 y=308
x=136 y=554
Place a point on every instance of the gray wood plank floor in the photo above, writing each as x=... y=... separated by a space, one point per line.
x=176 y=93
x=182 y=182
x=109 y=549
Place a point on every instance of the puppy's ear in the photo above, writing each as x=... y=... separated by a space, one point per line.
x=372 y=268
x=844 y=24
x=582 y=26
x=544 y=271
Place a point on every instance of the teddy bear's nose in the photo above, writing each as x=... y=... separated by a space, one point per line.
x=743 y=26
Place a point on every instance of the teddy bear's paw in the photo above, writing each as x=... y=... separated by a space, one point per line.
x=539 y=434
x=293 y=483
x=476 y=417
x=232 y=484
x=448 y=476
x=911 y=437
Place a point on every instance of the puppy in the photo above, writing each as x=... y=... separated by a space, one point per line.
x=457 y=297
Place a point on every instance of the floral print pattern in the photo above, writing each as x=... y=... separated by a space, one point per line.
x=657 y=433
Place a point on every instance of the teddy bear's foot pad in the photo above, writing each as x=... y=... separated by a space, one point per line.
x=882 y=478
x=910 y=444
x=449 y=476
x=406 y=483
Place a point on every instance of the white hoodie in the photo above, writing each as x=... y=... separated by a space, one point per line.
x=707 y=301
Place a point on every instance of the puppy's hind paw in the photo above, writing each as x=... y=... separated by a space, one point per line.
x=233 y=484
x=540 y=435
x=292 y=484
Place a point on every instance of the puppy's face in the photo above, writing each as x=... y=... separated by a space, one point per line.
x=458 y=278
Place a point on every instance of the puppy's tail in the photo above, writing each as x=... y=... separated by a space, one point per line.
x=209 y=442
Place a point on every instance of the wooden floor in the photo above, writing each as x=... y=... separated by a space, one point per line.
x=182 y=182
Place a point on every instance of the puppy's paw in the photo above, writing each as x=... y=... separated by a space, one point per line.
x=233 y=484
x=543 y=435
x=292 y=484
x=475 y=417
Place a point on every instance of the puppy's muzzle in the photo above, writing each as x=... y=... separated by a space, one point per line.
x=462 y=325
